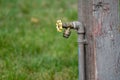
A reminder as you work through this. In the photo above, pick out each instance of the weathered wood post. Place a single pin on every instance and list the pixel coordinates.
(101, 21)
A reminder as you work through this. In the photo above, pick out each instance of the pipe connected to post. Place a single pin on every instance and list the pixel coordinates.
(81, 41)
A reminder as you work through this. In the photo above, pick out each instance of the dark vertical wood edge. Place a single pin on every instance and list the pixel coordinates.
(85, 16)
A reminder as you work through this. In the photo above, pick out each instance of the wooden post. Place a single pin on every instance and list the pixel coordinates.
(101, 21)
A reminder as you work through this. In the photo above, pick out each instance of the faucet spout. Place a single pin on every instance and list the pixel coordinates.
(68, 26)
(67, 33)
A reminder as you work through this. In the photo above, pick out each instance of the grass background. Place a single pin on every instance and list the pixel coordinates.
(30, 46)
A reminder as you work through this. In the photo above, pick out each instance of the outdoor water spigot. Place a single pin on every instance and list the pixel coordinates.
(78, 26)
(68, 26)
(60, 26)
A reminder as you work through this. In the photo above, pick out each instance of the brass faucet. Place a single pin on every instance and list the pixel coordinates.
(68, 26)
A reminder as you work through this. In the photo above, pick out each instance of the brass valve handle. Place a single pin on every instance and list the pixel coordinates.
(59, 25)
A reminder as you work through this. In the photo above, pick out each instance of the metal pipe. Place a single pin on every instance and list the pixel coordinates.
(81, 57)
(81, 42)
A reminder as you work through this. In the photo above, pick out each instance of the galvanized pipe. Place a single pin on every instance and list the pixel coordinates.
(81, 57)
(81, 42)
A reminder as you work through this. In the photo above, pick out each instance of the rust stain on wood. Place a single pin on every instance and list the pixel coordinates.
(100, 10)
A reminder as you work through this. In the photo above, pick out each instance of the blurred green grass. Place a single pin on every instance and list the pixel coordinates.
(30, 46)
